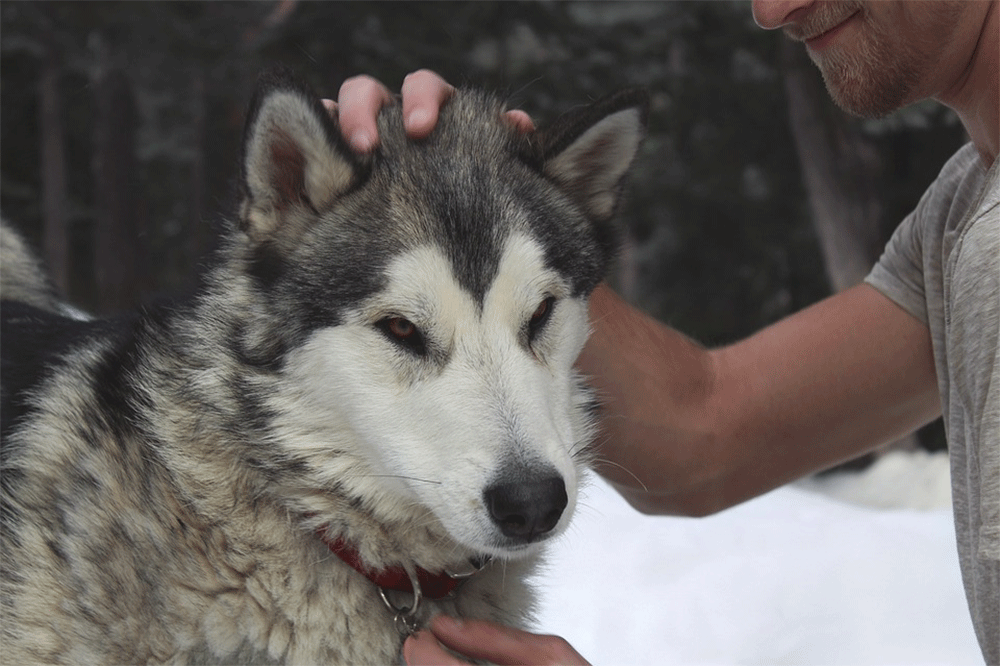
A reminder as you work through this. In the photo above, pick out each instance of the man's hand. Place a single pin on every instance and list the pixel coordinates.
(477, 639)
(423, 93)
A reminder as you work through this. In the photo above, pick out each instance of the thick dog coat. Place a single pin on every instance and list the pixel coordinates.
(373, 390)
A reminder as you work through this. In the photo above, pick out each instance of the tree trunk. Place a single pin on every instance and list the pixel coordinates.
(840, 168)
(55, 242)
(197, 237)
(117, 240)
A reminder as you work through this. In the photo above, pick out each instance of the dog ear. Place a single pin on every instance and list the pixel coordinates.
(588, 151)
(295, 162)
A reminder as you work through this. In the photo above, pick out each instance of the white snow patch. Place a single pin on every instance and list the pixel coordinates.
(793, 577)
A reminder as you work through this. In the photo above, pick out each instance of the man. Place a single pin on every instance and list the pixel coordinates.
(692, 431)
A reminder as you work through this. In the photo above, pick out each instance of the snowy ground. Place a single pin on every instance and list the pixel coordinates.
(852, 569)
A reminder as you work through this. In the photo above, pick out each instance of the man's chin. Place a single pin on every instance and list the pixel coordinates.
(864, 99)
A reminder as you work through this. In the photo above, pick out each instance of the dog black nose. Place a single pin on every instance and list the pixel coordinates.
(526, 510)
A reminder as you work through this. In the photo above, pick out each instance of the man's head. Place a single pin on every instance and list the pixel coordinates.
(877, 56)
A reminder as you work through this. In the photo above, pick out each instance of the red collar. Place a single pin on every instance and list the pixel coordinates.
(432, 585)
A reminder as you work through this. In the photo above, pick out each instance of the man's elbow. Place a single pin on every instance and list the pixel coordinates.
(687, 506)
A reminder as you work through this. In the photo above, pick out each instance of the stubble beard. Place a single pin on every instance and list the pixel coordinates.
(872, 80)
(880, 72)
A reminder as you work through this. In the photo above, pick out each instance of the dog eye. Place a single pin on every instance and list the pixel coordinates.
(540, 317)
(404, 333)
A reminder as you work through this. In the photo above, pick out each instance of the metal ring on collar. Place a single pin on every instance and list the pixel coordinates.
(405, 617)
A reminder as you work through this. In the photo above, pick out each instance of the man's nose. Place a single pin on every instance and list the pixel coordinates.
(771, 14)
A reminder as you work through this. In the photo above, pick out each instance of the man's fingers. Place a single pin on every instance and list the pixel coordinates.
(503, 645)
(422, 649)
(423, 94)
(361, 98)
(521, 120)
(357, 106)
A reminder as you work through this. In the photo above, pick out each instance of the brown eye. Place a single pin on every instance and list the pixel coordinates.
(404, 333)
(541, 310)
(540, 317)
(401, 328)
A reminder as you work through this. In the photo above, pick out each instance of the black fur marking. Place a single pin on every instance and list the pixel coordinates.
(339, 268)
(469, 229)
(267, 265)
(56, 548)
(34, 341)
(572, 242)
(112, 387)
(265, 357)
(254, 416)
(10, 517)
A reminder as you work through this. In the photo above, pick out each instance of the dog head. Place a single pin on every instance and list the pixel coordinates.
(424, 306)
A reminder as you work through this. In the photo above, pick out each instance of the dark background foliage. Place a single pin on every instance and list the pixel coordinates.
(121, 124)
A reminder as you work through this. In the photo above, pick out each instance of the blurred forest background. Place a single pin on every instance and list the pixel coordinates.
(753, 197)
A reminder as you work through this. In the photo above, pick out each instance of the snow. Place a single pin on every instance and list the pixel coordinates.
(847, 569)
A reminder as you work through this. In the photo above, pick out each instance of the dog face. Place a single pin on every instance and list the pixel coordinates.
(425, 305)
(468, 408)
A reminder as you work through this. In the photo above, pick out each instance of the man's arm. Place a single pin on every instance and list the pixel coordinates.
(691, 431)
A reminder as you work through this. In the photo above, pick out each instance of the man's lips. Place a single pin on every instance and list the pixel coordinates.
(822, 38)
(819, 31)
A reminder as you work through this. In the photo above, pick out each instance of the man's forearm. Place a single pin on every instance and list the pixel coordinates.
(655, 386)
(691, 431)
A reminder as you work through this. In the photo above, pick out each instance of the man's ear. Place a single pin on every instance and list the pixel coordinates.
(295, 163)
(588, 151)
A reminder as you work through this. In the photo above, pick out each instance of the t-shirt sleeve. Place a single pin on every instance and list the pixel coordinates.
(899, 273)
(906, 273)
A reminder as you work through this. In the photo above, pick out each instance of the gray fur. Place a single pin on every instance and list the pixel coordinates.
(164, 477)
(22, 277)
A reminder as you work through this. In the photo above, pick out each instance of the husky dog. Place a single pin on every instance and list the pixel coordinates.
(366, 415)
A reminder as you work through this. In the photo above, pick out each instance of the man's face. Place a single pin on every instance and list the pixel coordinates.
(875, 56)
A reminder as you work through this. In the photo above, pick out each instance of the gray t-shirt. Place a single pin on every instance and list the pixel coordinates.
(943, 267)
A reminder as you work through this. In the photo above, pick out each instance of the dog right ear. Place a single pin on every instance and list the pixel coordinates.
(589, 150)
(295, 162)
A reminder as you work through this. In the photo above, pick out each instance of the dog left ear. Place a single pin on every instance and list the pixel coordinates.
(295, 162)
(588, 151)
